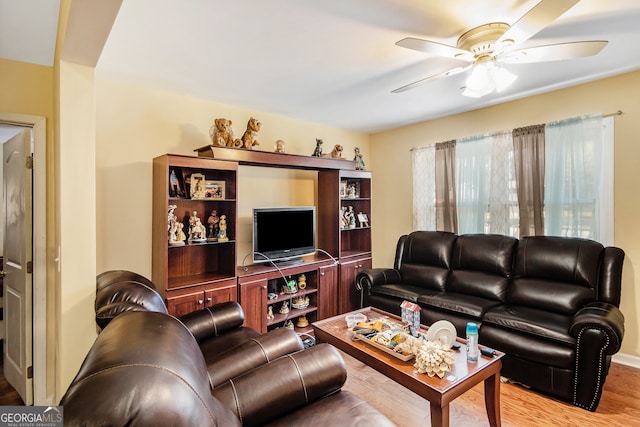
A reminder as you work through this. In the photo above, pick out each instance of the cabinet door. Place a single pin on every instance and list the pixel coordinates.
(328, 292)
(218, 296)
(185, 304)
(348, 295)
(253, 299)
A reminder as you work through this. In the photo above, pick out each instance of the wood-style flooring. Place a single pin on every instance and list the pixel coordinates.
(8, 395)
(619, 405)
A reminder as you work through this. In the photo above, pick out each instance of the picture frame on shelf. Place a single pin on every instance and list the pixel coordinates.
(363, 219)
(214, 189)
(197, 182)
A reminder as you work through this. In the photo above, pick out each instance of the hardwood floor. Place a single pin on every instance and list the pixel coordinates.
(8, 395)
(619, 405)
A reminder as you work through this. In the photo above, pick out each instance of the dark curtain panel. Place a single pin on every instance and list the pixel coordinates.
(446, 211)
(528, 147)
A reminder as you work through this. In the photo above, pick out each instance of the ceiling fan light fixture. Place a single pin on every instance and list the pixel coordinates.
(486, 78)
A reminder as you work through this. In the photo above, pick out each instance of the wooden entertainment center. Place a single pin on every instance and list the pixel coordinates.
(200, 274)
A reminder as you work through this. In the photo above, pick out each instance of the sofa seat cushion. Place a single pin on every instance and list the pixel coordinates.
(530, 321)
(468, 305)
(405, 292)
(536, 350)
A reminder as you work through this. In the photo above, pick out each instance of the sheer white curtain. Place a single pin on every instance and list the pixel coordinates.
(424, 188)
(473, 177)
(579, 178)
(485, 185)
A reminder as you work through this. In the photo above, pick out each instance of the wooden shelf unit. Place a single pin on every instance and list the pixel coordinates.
(194, 275)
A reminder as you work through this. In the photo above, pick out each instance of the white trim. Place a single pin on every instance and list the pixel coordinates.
(39, 126)
(626, 359)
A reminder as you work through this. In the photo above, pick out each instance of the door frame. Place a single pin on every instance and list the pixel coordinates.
(38, 125)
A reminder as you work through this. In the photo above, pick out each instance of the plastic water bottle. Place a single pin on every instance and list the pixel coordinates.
(472, 342)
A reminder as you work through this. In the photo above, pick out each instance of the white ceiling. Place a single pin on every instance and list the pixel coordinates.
(335, 62)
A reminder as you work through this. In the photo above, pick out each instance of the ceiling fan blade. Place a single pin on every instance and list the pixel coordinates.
(413, 85)
(435, 48)
(540, 16)
(553, 52)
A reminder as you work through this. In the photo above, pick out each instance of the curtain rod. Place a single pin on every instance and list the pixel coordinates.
(617, 113)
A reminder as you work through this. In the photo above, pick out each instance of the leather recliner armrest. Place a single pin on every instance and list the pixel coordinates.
(255, 352)
(214, 321)
(602, 316)
(284, 385)
(367, 279)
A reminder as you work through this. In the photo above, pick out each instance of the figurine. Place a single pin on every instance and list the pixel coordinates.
(249, 136)
(343, 217)
(351, 191)
(302, 322)
(288, 324)
(174, 185)
(350, 218)
(302, 281)
(358, 159)
(363, 219)
(279, 146)
(213, 221)
(221, 133)
(270, 315)
(197, 232)
(171, 222)
(180, 236)
(284, 309)
(318, 151)
(222, 234)
(336, 153)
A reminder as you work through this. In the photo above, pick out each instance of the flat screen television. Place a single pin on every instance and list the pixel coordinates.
(283, 233)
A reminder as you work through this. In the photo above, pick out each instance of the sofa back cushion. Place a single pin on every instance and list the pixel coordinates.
(145, 368)
(425, 258)
(481, 265)
(558, 274)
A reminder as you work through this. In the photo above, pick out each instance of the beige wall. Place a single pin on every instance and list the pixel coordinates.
(134, 125)
(392, 185)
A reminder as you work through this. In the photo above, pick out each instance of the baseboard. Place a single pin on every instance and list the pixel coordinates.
(626, 359)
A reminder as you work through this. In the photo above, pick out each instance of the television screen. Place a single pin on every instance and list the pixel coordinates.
(283, 233)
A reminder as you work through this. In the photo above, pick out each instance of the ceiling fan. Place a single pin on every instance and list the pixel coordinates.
(485, 46)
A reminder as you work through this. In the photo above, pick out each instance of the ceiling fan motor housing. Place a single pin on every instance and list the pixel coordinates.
(481, 41)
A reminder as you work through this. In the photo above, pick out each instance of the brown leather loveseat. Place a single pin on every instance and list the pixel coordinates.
(549, 303)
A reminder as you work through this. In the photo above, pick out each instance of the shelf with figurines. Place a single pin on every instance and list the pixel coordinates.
(350, 219)
(191, 231)
(294, 303)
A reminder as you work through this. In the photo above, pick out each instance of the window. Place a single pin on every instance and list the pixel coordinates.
(578, 182)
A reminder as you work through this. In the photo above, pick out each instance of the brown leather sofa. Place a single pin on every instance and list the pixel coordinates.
(549, 303)
(147, 369)
(205, 369)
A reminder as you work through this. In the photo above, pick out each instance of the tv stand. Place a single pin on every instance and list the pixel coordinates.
(259, 281)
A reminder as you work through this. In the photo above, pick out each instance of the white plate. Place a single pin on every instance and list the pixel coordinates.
(444, 331)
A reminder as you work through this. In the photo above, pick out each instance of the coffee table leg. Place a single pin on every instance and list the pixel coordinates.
(492, 399)
(439, 415)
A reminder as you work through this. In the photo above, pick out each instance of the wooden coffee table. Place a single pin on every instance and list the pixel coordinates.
(439, 392)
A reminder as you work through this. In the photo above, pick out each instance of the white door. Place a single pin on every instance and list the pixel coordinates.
(18, 283)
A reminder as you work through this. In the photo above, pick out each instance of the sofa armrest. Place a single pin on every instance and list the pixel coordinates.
(255, 352)
(367, 279)
(284, 385)
(214, 321)
(598, 328)
(601, 316)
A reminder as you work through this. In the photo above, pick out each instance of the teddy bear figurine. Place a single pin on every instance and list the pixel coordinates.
(221, 133)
